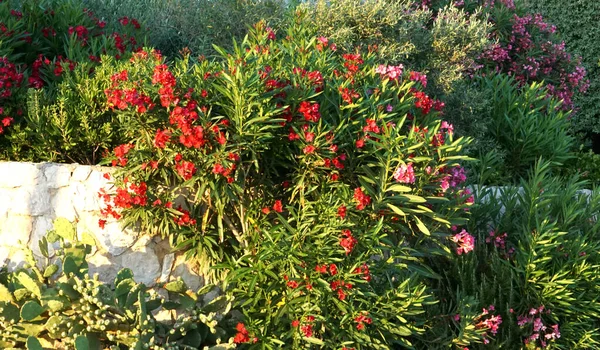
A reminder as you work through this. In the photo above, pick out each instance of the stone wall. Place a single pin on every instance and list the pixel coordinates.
(33, 195)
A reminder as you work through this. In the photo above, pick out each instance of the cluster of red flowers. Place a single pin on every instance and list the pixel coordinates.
(10, 77)
(323, 42)
(184, 219)
(307, 327)
(310, 111)
(185, 169)
(362, 198)
(341, 287)
(347, 241)
(242, 335)
(125, 197)
(121, 153)
(315, 78)
(277, 206)
(162, 76)
(341, 212)
(352, 62)
(363, 270)
(362, 319)
(348, 95)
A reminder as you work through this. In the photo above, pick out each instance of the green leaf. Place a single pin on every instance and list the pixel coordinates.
(82, 343)
(34, 344)
(5, 294)
(69, 266)
(176, 286)
(396, 210)
(422, 226)
(65, 229)
(31, 310)
(29, 283)
(50, 270)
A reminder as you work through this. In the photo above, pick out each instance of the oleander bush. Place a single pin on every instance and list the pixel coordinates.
(321, 180)
(42, 42)
(59, 306)
(535, 260)
(522, 125)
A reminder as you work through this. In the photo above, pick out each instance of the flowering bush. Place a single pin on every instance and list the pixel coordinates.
(536, 260)
(323, 182)
(577, 27)
(41, 42)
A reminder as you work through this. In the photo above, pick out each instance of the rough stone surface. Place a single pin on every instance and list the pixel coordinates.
(32, 196)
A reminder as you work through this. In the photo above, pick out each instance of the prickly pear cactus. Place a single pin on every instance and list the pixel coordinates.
(59, 306)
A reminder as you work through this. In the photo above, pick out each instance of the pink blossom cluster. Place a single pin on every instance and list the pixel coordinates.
(405, 174)
(541, 333)
(489, 322)
(531, 53)
(510, 4)
(390, 72)
(465, 242)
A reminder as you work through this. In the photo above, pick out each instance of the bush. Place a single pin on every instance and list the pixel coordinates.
(535, 261)
(395, 28)
(576, 21)
(320, 179)
(193, 24)
(58, 305)
(42, 42)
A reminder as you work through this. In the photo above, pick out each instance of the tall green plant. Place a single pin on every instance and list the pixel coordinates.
(536, 260)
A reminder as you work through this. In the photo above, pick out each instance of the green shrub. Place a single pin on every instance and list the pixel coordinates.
(536, 260)
(518, 125)
(458, 38)
(395, 28)
(58, 305)
(285, 155)
(193, 24)
(42, 42)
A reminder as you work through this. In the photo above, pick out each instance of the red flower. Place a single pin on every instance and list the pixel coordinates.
(292, 284)
(185, 169)
(242, 334)
(307, 330)
(161, 138)
(266, 210)
(362, 199)
(342, 212)
(309, 149)
(321, 268)
(360, 143)
(101, 223)
(310, 111)
(348, 242)
(295, 323)
(278, 207)
(333, 269)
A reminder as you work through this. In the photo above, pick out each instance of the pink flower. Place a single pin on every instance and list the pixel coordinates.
(465, 242)
(405, 174)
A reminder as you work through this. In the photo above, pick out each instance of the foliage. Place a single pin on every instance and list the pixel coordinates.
(289, 148)
(193, 24)
(576, 22)
(585, 164)
(395, 28)
(42, 40)
(458, 38)
(536, 260)
(529, 49)
(58, 305)
(526, 125)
